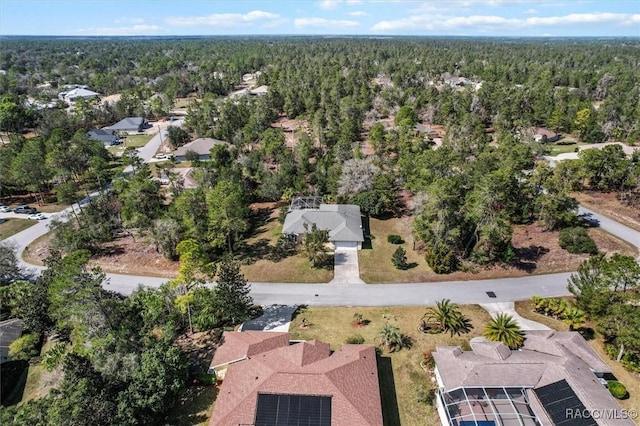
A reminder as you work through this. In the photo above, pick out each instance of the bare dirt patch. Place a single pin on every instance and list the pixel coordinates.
(607, 204)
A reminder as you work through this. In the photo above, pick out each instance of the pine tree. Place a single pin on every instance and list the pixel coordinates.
(232, 292)
(399, 258)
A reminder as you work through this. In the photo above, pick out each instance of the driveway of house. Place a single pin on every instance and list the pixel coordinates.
(509, 308)
(273, 318)
(345, 266)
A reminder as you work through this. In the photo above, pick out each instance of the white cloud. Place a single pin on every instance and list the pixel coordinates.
(332, 4)
(329, 4)
(436, 22)
(359, 13)
(108, 31)
(225, 20)
(324, 23)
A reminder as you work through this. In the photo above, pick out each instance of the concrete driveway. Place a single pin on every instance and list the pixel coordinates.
(509, 308)
(345, 266)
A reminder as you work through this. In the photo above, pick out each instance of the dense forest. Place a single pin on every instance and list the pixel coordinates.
(361, 105)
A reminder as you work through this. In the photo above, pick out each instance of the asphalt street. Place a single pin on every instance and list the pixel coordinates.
(358, 294)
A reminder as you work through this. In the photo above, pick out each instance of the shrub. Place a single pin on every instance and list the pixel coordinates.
(24, 348)
(399, 258)
(395, 239)
(441, 260)
(617, 389)
(425, 394)
(577, 240)
(356, 339)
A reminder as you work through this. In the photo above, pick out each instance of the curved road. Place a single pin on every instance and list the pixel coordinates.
(463, 292)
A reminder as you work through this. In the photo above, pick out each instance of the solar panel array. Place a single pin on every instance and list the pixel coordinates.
(293, 410)
(563, 405)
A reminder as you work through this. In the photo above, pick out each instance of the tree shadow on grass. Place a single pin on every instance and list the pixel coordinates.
(526, 257)
(194, 406)
(258, 219)
(389, 399)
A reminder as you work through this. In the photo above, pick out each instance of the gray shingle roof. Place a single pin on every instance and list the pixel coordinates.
(343, 221)
(129, 124)
(202, 146)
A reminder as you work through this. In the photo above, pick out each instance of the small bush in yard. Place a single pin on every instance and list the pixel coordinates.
(425, 394)
(356, 339)
(394, 239)
(399, 258)
(441, 260)
(577, 240)
(617, 389)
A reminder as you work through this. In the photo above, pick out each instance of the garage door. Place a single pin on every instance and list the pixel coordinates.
(346, 245)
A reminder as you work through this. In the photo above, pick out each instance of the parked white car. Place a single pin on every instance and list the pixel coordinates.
(5, 209)
(36, 216)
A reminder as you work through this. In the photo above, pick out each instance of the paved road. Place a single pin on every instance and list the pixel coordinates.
(358, 294)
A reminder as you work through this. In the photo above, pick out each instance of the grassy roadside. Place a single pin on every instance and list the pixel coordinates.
(12, 226)
(611, 208)
(399, 370)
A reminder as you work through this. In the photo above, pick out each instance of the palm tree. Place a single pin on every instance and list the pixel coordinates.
(503, 328)
(391, 337)
(574, 317)
(448, 317)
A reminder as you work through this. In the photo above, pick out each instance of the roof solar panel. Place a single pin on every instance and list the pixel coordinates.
(562, 405)
(293, 410)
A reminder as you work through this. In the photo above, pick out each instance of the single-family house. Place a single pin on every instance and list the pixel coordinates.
(424, 129)
(130, 125)
(10, 331)
(556, 378)
(542, 134)
(79, 92)
(108, 137)
(343, 222)
(277, 382)
(201, 146)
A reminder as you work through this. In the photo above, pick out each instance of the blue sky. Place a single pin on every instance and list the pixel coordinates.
(373, 17)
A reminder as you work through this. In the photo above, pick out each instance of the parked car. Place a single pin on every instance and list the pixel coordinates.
(37, 216)
(25, 210)
(5, 209)
(161, 156)
(84, 202)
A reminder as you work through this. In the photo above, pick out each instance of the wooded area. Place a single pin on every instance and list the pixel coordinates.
(365, 112)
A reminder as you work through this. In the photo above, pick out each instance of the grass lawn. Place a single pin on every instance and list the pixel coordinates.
(556, 149)
(194, 408)
(293, 268)
(12, 226)
(399, 370)
(137, 141)
(630, 380)
(39, 380)
(375, 263)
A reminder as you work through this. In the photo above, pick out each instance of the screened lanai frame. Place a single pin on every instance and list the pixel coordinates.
(488, 406)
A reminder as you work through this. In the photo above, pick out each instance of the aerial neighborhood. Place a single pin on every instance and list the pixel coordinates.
(306, 230)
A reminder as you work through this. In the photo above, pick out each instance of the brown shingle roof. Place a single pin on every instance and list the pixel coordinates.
(349, 376)
(239, 345)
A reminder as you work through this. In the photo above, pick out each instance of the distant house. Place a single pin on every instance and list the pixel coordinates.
(429, 131)
(545, 135)
(554, 379)
(201, 146)
(79, 92)
(106, 136)
(10, 330)
(278, 382)
(342, 221)
(130, 125)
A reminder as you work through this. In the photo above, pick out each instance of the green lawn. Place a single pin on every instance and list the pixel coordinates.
(375, 262)
(399, 371)
(293, 268)
(137, 141)
(13, 226)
